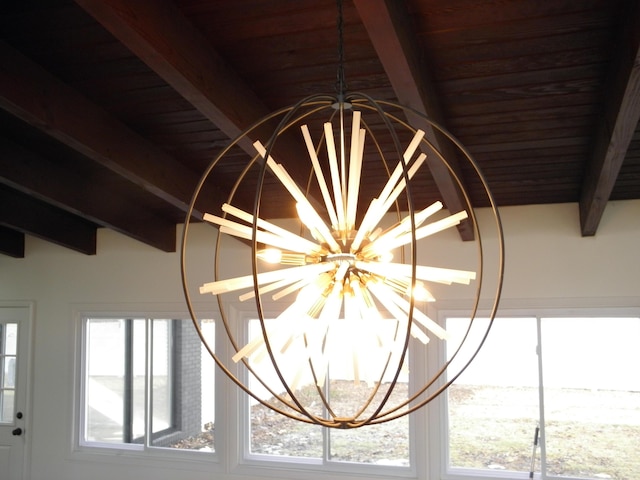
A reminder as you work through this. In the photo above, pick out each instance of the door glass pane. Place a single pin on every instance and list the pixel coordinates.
(493, 405)
(11, 338)
(9, 372)
(592, 397)
(105, 381)
(7, 402)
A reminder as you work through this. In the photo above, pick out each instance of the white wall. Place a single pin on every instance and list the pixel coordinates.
(547, 260)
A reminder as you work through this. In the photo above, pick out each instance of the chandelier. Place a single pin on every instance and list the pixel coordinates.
(338, 292)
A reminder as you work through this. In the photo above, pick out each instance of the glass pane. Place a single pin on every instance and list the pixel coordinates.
(207, 380)
(383, 444)
(194, 389)
(11, 338)
(493, 405)
(592, 397)
(276, 435)
(138, 372)
(9, 372)
(161, 367)
(105, 381)
(272, 433)
(7, 402)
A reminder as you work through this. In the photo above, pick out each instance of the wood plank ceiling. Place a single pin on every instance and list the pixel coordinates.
(111, 110)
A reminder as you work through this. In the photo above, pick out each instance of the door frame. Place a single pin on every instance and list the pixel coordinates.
(25, 362)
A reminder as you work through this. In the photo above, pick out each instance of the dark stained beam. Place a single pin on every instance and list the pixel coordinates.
(28, 215)
(33, 175)
(11, 242)
(617, 124)
(167, 42)
(32, 94)
(391, 32)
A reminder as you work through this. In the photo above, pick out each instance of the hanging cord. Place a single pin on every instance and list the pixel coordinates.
(341, 83)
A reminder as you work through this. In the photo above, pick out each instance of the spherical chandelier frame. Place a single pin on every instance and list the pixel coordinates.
(288, 404)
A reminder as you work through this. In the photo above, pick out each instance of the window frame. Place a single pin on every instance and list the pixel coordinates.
(140, 454)
(428, 429)
(538, 310)
(8, 372)
(129, 437)
(246, 463)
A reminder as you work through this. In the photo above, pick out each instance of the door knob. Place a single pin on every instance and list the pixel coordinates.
(17, 431)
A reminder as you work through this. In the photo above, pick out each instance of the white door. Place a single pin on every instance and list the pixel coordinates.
(15, 324)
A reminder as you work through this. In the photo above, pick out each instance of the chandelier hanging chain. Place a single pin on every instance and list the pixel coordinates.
(341, 83)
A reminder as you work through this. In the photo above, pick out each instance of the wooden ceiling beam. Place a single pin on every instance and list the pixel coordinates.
(167, 42)
(11, 242)
(33, 175)
(618, 121)
(35, 96)
(392, 34)
(28, 215)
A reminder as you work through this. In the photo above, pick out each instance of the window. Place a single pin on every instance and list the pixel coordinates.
(591, 396)
(493, 406)
(143, 384)
(276, 438)
(568, 382)
(556, 396)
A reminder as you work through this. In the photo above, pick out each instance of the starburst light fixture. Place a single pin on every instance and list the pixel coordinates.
(334, 295)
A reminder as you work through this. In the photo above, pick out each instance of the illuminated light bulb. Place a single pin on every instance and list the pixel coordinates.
(421, 294)
(312, 291)
(270, 255)
(385, 257)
